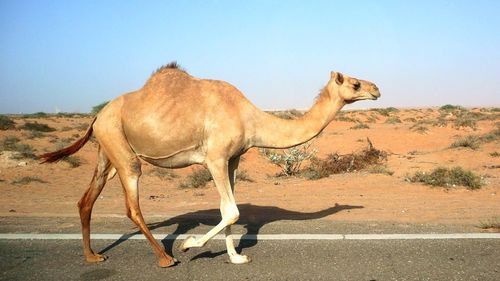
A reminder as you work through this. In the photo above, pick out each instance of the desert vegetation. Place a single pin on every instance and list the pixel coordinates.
(21, 150)
(38, 127)
(335, 163)
(448, 177)
(27, 180)
(6, 123)
(426, 154)
(290, 160)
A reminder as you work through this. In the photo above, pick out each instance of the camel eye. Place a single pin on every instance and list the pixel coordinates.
(356, 86)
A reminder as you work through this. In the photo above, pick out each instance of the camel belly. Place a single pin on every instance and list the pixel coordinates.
(178, 160)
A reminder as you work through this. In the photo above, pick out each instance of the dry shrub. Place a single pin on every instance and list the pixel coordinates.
(34, 135)
(491, 136)
(466, 120)
(6, 123)
(163, 173)
(385, 111)
(419, 129)
(242, 175)
(360, 126)
(287, 114)
(393, 120)
(336, 164)
(471, 141)
(342, 116)
(448, 178)
(11, 143)
(73, 161)
(35, 126)
(199, 178)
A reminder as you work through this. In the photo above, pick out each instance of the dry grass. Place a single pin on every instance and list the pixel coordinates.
(379, 169)
(492, 224)
(27, 180)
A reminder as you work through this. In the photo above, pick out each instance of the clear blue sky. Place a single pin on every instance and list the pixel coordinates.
(71, 55)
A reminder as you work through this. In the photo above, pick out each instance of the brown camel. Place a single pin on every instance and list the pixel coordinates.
(177, 120)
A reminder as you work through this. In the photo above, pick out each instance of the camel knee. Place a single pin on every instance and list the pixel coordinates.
(232, 216)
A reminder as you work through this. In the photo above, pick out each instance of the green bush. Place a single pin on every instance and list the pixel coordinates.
(97, 108)
(448, 178)
(449, 108)
(36, 115)
(6, 123)
(35, 126)
(290, 160)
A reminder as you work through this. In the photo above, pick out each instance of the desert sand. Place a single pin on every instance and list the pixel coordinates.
(372, 196)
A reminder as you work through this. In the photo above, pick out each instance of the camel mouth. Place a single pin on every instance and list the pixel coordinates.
(374, 96)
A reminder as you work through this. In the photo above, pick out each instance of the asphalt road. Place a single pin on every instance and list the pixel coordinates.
(456, 259)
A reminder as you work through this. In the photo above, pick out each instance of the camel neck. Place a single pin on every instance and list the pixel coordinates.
(274, 132)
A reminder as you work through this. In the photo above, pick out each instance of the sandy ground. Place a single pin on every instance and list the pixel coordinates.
(362, 195)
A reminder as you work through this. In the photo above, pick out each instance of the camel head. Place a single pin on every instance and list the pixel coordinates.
(350, 89)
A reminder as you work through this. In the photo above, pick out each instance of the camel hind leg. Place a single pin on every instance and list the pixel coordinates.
(128, 167)
(87, 201)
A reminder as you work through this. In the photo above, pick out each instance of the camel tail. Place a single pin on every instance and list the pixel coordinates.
(55, 156)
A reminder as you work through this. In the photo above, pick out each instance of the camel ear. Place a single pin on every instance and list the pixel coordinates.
(339, 78)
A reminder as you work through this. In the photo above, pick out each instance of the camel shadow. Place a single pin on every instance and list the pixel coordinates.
(252, 218)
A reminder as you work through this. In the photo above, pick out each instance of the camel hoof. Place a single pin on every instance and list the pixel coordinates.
(165, 262)
(188, 243)
(96, 258)
(239, 259)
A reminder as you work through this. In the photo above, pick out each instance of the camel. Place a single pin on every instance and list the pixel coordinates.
(176, 120)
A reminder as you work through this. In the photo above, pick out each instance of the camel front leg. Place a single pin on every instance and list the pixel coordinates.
(228, 208)
(231, 251)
